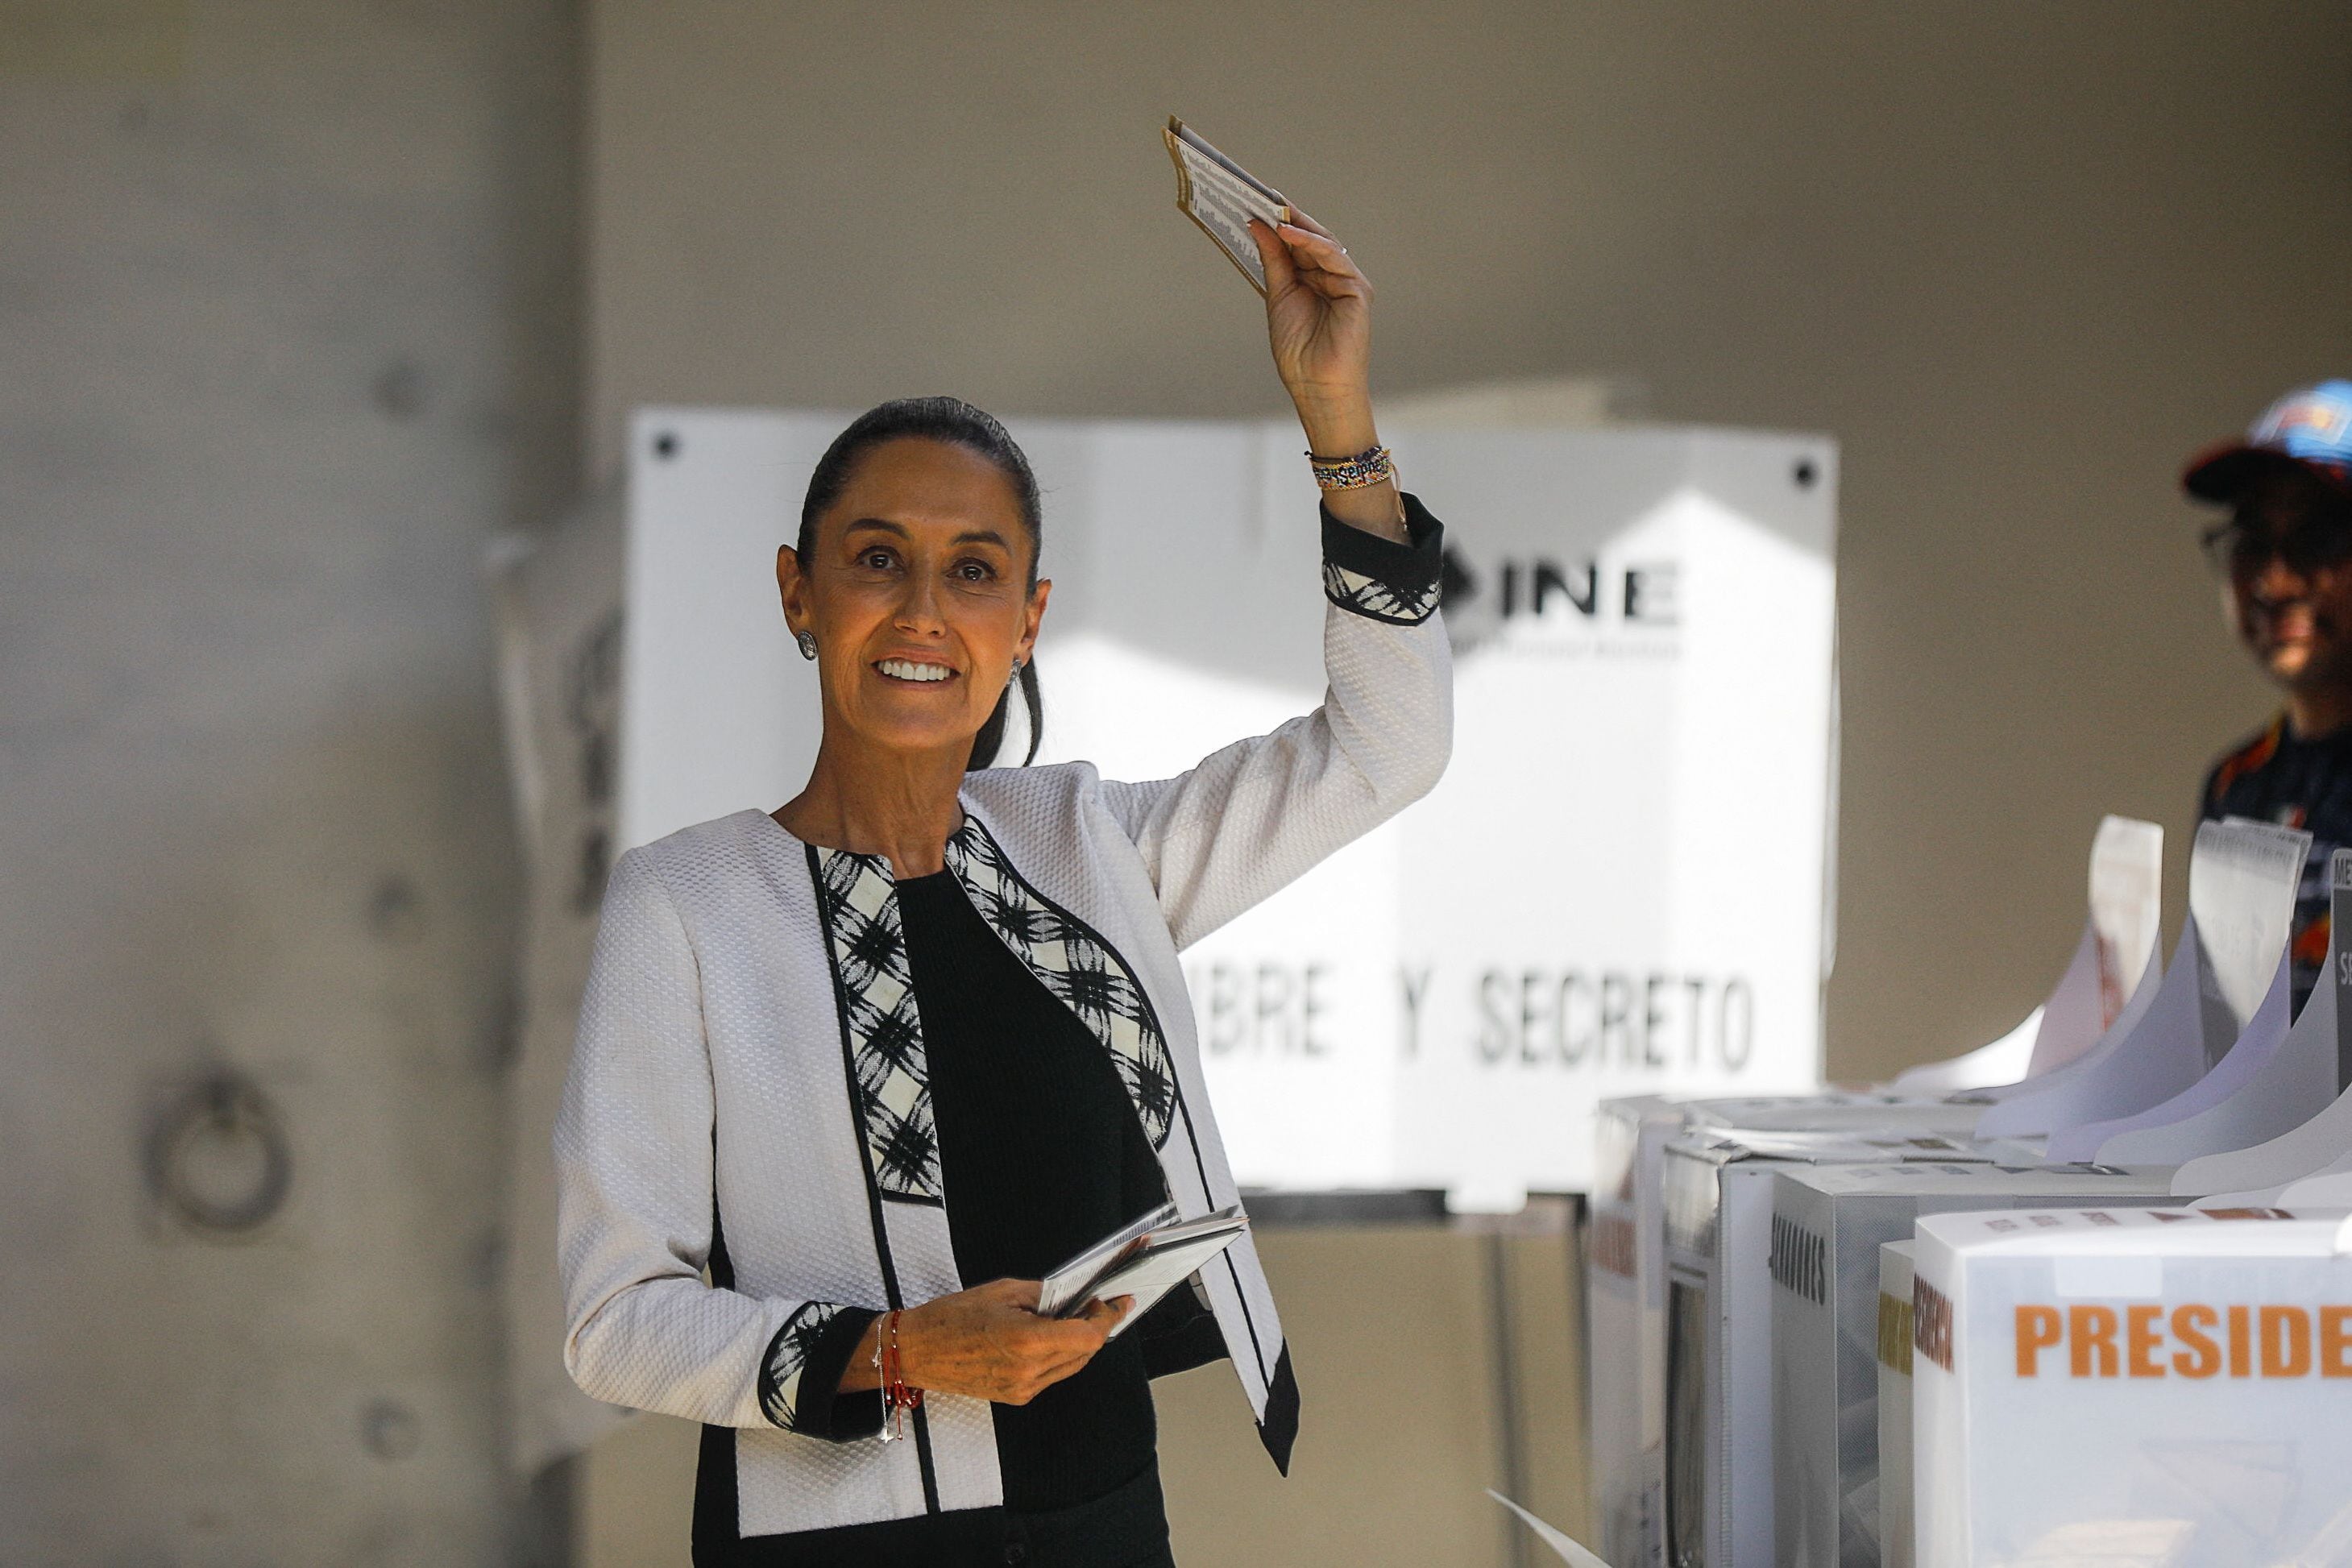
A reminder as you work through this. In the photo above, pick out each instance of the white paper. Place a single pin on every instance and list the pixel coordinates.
(2119, 941)
(1155, 1273)
(2161, 1053)
(2242, 877)
(2293, 1083)
(1558, 1540)
(2309, 1070)
(2255, 1173)
(2243, 880)
(2038, 1081)
(2248, 1057)
(1221, 197)
(1161, 1252)
(1059, 1292)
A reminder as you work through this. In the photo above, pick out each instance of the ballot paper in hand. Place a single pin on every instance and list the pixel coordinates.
(1145, 1259)
(1221, 196)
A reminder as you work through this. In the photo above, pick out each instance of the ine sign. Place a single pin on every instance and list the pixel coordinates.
(1620, 886)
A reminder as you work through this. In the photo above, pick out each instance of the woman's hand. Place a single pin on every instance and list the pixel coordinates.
(989, 1342)
(1318, 319)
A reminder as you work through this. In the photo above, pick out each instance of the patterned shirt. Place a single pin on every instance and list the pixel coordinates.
(2278, 778)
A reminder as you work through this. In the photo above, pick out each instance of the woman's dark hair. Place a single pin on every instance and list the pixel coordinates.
(959, 423)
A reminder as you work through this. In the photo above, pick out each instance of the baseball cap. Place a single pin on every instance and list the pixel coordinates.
(2311, 425)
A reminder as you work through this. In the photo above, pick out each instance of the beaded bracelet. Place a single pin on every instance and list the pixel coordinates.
(1369, 467)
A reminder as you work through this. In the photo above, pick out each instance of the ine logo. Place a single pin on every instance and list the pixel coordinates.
(1550, 590)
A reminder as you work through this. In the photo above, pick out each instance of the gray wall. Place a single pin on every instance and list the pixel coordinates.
(286, 326)
(2018, 258)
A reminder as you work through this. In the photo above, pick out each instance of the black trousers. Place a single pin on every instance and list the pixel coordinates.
(1127, 1528)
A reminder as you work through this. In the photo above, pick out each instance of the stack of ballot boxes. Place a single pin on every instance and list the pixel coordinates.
(1717, 1197)
(1821, 1248)
(1625, 1275)
(2151, 1388)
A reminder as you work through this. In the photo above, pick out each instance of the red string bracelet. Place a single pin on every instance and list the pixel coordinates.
(897, 1397)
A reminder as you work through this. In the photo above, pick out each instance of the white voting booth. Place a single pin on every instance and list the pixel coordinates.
(1621, 886)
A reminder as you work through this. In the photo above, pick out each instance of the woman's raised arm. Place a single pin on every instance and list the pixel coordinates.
(1253, 816)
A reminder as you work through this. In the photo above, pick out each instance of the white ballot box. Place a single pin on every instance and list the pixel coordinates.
(1716, 1371)
(1641, 623)
(1828, 1225)
(2155, 1388)
(1894, 1405)
(1625, 1288)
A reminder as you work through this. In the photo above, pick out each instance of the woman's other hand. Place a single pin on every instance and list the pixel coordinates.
(988, 1343)
(1318, 319)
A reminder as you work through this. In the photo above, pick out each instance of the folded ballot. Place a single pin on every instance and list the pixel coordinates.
(1221, 196)
(1145, 1259)
(2151, 1388)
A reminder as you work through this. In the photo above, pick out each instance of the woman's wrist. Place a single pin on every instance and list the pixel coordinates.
(1337, 427)
(1342, 426)
(860, 1373)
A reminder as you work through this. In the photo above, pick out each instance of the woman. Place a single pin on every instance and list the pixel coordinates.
(879, 1060)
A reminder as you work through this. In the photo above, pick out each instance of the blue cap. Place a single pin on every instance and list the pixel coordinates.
(2311, 426)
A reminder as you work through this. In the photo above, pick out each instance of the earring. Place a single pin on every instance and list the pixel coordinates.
(1015, 673)
(807, 641)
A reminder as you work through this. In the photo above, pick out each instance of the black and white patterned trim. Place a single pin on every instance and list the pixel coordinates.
(1077, 966)
(893, 1087)
(1379, 601)
(788, 1353)
(1379, 578)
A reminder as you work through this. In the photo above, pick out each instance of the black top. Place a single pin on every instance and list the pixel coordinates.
(1041, 1155)
(2281, 778)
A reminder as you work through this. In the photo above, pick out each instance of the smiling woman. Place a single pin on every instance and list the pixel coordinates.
(855, 1074)
(934, 489)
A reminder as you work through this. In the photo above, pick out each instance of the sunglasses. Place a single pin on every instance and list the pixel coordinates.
(2239, 550)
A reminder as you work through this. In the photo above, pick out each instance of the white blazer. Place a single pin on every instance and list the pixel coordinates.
(749, 1094)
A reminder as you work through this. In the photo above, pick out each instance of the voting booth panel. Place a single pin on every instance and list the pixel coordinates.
(1618, 887)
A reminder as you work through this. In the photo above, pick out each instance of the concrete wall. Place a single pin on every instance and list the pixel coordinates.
(2019, 258)
(286, 327)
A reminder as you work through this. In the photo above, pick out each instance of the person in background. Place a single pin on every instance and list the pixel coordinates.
(2284, 553)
